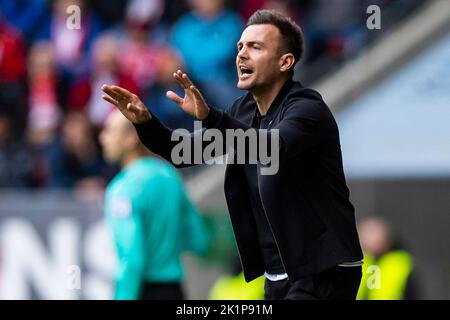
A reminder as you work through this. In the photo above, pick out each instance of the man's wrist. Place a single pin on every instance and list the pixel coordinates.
(147, 119)
(146, 122)
(213, 118)
(206, 115)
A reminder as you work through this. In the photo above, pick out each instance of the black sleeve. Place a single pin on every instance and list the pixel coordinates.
(162, 140)
(304, 125)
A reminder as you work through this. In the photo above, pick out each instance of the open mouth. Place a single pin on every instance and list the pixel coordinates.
(245, 71)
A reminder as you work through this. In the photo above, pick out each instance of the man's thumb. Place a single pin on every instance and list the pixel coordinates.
(174, 97)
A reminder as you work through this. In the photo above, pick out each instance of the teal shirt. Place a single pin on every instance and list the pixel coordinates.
(153, 223)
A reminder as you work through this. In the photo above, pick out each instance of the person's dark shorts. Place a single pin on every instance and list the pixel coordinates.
(338, 283)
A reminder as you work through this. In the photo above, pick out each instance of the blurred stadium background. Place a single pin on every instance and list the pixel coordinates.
(389, 90)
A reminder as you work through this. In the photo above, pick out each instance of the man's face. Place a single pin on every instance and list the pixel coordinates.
(257, 61)
(113, 138)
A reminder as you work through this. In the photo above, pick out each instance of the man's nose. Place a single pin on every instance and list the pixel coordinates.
(242, 54)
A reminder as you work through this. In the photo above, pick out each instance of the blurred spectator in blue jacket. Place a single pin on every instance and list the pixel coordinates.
(206, 38)
(31, 17)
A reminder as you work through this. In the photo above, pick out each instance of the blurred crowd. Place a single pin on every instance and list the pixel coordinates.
(51, 71)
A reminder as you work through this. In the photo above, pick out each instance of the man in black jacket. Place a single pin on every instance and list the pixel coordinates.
(297, 226)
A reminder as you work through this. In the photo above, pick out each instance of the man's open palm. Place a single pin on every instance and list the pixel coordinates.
(128, 103)
(134, 110)
(193, 102)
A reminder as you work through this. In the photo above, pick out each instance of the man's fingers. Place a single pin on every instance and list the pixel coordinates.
(187, 81)
(174, 97)
(197, 94)
(122, 92)
(180, 80)
(183, 79)
(109, 91)
(111, 100)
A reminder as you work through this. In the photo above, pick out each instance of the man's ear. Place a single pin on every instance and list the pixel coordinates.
(287, 61)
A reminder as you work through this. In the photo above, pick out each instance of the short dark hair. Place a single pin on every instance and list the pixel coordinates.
(291, 33)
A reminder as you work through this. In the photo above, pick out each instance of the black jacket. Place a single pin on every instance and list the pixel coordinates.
(306, 201)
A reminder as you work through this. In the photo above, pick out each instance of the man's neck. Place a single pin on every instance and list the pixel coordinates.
(264, 97)
(130, 158)
(136, 154)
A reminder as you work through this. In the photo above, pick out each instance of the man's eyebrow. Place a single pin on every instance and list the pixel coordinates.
(251, 43)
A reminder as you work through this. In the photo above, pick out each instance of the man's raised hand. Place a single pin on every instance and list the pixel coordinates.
(128, 103)
(193, 102)
(134, 110)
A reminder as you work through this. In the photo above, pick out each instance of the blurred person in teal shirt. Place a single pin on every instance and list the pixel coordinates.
(206, 38)
(152, 219)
